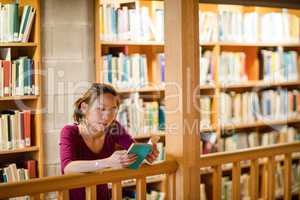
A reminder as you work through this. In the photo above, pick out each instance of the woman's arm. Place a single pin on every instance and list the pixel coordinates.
(117, 160)
(86, 165)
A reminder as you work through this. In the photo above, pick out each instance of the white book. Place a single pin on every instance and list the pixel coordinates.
(29, 25)
(145, 23)
(5, 23)
(1, 23)
(5, 145)
(24, 19)
(1, 80)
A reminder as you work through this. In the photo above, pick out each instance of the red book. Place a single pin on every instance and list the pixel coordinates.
(31, 165)
(6, 77)
(298, 102)
(27, 128)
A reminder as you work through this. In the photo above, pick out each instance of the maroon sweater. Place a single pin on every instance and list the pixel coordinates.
(73, 147)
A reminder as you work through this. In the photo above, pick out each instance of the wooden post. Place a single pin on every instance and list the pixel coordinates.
(182, 80)
(287, 176)
(217, 178)
(116, 190)
(170, 186)
(63, 195)
(236, 174)
(271, 178)
(254, 179)
(141, 189)
(91, 192)
(35, 197)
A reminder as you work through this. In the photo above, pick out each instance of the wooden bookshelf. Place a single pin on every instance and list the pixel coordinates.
(145, 136)
(254, 83)
(245, 44)
(142, 90)
(21, 150)
(134, 43)
(253, 68)
(18, 44)
(18, 98)
(31, 49)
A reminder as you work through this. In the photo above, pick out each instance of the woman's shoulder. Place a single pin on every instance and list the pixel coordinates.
(70, 130)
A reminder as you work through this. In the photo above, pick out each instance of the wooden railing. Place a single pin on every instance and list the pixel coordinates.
(35, 188)
(260, 156)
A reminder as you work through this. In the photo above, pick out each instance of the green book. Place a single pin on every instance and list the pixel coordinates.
(141, 150)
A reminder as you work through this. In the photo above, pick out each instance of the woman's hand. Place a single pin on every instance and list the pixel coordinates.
(120, 159)
(153, 155)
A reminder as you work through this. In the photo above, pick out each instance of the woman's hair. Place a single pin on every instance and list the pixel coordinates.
(90, 96)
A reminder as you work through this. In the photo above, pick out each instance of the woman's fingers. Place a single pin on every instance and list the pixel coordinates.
(128, 159)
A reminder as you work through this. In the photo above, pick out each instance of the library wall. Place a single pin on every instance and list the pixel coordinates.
(67, 56)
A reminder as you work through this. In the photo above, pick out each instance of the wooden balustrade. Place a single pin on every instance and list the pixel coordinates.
(254, 155)
(262, 163)
(37, 187)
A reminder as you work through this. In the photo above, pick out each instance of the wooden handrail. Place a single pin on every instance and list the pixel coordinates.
(248, 154)
(77, 180)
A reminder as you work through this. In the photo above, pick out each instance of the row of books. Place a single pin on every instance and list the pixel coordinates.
(141, 118)
(279, 183)
(232, 67)
(125, 71)
(235, 26)
(276, 66)
(123, 23)
(279, 179)
(245, 140)
(207, 67)
(10, 173)
(17, 77)
(279, 66)
(205, 112)
(248, 107)
(11, 28)
(130, 71)
(15, 129)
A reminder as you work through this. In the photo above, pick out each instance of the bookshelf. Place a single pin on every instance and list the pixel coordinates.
(152, 88)
(228, 46)
(252, 64)
(24, 99)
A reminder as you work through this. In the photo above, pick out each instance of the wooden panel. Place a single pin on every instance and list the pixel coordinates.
(35, 197)
(254, 180)
(236, 174)
(116, 190)
(287, 176)
(141, 188)
(91, 192)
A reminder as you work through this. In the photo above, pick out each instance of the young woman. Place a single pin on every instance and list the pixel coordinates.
(90, 143)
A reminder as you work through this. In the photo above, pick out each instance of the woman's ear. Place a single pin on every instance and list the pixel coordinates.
(83, 107)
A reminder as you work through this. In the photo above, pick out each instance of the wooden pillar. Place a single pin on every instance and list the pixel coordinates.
(182, 78)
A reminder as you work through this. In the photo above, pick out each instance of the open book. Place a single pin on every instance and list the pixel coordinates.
(141, 150)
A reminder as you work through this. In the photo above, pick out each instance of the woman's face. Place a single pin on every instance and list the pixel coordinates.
(102, 112)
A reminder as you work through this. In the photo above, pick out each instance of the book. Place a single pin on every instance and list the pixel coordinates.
(141, 150)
